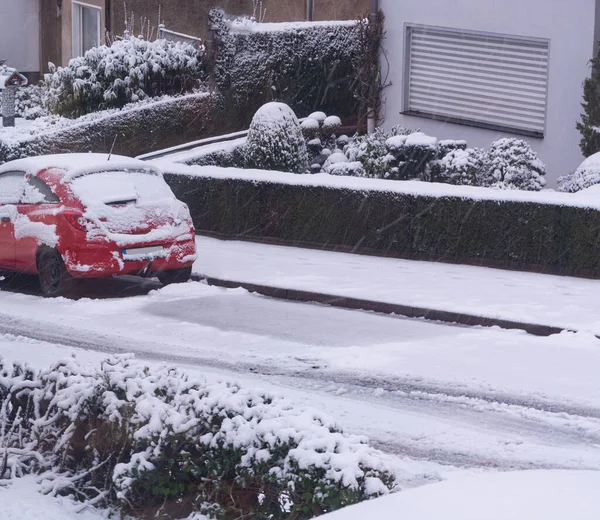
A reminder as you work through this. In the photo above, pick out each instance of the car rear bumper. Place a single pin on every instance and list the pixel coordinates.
(109, 259)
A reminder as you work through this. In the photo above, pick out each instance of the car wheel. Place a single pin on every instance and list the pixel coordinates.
(54, 277)
(175, 276)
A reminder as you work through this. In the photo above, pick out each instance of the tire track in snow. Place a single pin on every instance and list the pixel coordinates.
(550, 423)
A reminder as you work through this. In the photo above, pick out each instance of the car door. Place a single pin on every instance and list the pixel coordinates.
(11, 190)
(37, 220)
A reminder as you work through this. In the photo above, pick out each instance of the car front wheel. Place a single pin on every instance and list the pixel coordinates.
(54, 277)
(175, 276)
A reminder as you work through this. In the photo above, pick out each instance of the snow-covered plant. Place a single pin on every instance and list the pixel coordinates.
(122, 435)
(275, 140)
(588, 174)
(31, 102)
(446, 146)
(372, 151)
(462, 167)
(512, 164)
(126, 71)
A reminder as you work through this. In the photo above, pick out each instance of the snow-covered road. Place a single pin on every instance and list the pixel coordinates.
(434, 393)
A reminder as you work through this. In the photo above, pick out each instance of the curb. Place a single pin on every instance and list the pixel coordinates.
(408, 311)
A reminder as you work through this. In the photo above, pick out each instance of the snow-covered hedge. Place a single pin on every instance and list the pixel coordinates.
(306, 66)
(126, 71)
(141, 127)
(141, 439)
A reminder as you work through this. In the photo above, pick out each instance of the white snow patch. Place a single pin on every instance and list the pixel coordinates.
(527, 495)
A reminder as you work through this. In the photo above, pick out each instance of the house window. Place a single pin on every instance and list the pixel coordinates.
(485, 80)
(86, 27)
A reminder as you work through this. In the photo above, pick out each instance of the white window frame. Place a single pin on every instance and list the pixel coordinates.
(499, 126)
(76, 29)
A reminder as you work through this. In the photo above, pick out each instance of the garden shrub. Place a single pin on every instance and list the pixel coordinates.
(156, 440)
(512, 164)
(275, 140)
(463, 167)
(376, 155)
(110, 76)
(586, 175)
(418, 151)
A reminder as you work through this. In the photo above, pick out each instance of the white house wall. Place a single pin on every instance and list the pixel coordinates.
(569, 25)
(20, 34)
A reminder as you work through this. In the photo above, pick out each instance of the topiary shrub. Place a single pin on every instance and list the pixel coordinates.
(155, 441)
(512, 164)
(462, 167)
(275, 141)
(110, 76)
(588, 174)
(418, 150)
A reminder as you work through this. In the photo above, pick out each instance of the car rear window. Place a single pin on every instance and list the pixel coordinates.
(121, 187)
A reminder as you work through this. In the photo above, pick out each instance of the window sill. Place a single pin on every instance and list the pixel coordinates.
(476, 124)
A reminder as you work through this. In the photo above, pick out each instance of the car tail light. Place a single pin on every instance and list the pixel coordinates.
(78, 221)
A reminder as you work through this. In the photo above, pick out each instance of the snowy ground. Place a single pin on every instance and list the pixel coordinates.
(446, 399)
(527, 495)
(560, 301)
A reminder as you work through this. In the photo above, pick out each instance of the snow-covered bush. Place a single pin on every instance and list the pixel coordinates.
(275, 140)
(417, 152)
(462, 167)
(126, 71)
(588, 174)
(31, 102)
(512, 164)
(374, 152)
(449, 145)
(142, 439)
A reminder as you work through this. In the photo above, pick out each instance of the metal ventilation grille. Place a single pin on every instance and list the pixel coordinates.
(486, 80)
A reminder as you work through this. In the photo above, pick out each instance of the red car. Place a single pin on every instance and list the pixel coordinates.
(71, 216)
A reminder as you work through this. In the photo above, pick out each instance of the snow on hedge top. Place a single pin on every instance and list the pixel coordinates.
(524, 495)
(247, 25)
(75, 164)
(424, 189)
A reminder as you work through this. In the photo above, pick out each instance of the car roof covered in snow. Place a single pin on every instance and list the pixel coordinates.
(76, 164)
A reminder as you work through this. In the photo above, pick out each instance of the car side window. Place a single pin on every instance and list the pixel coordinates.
(38, 192)
(12, 185)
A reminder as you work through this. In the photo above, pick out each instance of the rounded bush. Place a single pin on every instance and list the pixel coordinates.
(462, 167)
(512, 164)
(275, 140)
(588, 174)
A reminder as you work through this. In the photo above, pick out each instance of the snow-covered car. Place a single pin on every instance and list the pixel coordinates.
(71, 216)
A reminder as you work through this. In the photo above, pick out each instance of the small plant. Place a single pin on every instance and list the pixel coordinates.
(588, 174)
(462, 167)
(512, 164)
(275, 140)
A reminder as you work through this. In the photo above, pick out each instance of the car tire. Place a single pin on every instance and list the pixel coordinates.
(55, 280)
(175, 276)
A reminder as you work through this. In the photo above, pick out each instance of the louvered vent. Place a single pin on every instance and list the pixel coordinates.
(486, 80)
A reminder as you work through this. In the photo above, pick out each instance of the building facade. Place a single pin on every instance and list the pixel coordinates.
(483, 70)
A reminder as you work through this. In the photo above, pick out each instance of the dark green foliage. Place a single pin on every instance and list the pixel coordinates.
(155, 444)
(308, 69)
(590, 119)
(520, 235)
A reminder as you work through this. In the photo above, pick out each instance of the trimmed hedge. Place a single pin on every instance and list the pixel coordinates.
(138, 130)
(517, 235)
